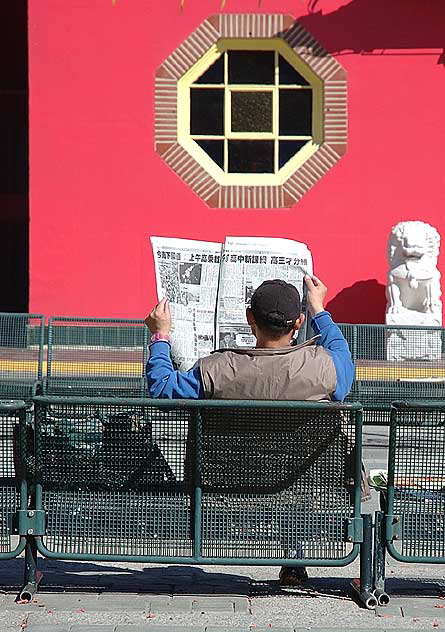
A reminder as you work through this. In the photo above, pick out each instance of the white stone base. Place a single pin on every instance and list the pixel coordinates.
(410, 345)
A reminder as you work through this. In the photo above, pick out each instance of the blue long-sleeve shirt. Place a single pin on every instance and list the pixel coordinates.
(166, 383)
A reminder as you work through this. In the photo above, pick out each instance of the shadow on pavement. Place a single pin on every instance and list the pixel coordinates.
(63, 576)
(416, 587)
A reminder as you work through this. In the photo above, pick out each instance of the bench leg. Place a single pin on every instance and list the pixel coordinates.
(32, 575)
(379, 560)
(363, 587)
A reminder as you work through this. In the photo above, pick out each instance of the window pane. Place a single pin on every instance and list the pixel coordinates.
(295, 112)
(251, 111)
(251, 156)
(288, 74)
(206, 110)
(214, 74)
(215, 149)
(288, 149)
(247, 66)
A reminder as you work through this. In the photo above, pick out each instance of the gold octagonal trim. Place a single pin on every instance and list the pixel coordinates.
(256, 32)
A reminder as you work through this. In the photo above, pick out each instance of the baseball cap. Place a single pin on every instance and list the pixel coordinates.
(276, 303)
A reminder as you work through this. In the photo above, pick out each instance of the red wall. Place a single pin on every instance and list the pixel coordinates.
(98, 189)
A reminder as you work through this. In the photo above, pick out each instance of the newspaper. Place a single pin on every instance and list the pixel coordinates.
(246, 263)
(187, 274)
(209, 286)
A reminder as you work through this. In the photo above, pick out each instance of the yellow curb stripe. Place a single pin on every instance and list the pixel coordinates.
(74, 368)
(398, 373)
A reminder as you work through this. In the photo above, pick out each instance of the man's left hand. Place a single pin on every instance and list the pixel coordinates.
(159, 320)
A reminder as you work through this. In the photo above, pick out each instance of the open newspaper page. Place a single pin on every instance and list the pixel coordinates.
(187, 274)
(246, 263)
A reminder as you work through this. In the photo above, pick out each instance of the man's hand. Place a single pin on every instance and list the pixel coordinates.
(159, 320)
(316, 293)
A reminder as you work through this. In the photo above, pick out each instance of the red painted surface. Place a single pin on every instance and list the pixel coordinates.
(98, 189)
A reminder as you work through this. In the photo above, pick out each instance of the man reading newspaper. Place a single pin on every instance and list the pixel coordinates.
(319, 369)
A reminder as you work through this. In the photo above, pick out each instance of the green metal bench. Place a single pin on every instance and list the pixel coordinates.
(411, 525)
(380, 380)
(21, 355)
(96, 357)
(200, 482)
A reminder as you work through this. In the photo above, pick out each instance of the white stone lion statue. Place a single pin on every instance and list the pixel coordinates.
(413, 277)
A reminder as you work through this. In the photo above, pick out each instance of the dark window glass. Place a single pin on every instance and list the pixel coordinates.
(247, 66)
(215, 149)
(288, 74)
(214, 74)
(295, 112)
(207, 110)
(288, 149)
(251, 111)
(251, 156)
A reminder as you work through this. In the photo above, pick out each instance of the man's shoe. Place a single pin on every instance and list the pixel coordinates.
(293, 575)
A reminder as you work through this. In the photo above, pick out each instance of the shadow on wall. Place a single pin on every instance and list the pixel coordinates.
(364, 303)
(374, 27)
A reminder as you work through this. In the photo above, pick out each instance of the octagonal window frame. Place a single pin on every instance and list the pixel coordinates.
(198, 52)
(187, 140)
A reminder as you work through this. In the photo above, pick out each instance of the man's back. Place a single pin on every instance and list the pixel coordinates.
(305, 372)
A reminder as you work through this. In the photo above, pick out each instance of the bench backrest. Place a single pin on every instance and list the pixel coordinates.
(210, 478)
(13, 456)
(416, 482)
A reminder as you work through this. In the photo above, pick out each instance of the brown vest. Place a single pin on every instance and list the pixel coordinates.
(304, 372)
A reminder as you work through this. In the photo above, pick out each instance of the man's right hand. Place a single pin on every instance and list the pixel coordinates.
(316, 293)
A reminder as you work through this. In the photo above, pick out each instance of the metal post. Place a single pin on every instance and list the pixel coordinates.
(379, 560)
(197, 491)
(363, 587)
(32, 576)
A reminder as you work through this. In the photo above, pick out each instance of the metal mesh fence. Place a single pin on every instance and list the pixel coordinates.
(21, 354)
(12, 470)
(99, 358)
(196, 480)
(395, 363)
(416, 495)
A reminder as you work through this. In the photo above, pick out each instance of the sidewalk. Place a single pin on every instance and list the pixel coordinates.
(101, 597)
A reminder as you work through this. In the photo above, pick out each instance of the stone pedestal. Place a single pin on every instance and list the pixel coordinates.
(409, 344)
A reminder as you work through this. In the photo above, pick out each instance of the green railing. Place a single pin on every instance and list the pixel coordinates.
(411, 527)
(106, 358)
(21, 355)
(96, 357)
(393, 363)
